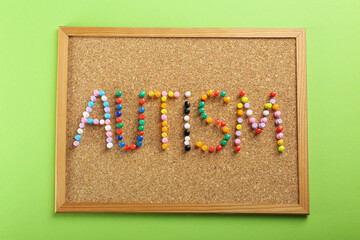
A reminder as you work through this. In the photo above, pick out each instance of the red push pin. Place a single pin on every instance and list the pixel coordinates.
(133, 147)
(217, 93)
(258, 130)
(279, 129)
(218, 147)
(242, 93)
(140, 133)
(142, 101)
(127, 147)
(237, 148)
(141, 116)
(223, 124)
(119, 132)
(211, 149)
(272, 94)
(217, 122)
(119, 100)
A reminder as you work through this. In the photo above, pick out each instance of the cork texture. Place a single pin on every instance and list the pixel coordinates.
(258, 174)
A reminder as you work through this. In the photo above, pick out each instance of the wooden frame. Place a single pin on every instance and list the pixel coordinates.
(60, 184)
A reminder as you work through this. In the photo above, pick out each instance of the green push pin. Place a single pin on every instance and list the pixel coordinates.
(224, 142)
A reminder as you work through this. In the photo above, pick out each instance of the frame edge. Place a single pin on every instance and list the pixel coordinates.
(60, 152)
(302, 115)
(60, 182)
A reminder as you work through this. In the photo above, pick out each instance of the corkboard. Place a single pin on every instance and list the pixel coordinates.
(258, 175)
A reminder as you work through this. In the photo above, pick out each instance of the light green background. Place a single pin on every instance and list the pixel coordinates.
(28, 57)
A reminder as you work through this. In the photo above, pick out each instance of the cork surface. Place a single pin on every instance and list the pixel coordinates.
(258, 174)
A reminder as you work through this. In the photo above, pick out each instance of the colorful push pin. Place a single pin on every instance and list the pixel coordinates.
(277, 114)
(272, 94)
(157, 94)
(187, 94)
(281, 148)
(268, 105)
(275, 107)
